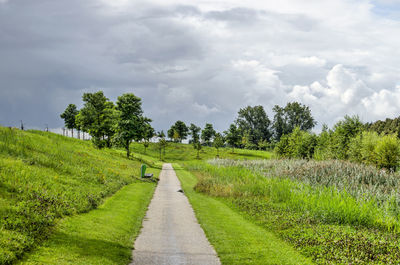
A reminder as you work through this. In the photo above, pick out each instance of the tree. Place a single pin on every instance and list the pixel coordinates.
(291, 116)
(254, 122)
(131, 123)
(232, 136)
(109, 123)
(194, 133)
(97, 117)
(343, 131)
(148, 134)
(180, 130)
(162, 143)
(218, 142)
(171, 133)
(207, 134)
(198, 147)
(69, 117)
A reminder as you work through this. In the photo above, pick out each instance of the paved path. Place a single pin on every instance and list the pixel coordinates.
(170, 233)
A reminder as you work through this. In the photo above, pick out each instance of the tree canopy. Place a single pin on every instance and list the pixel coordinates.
(254, 123)
(69, 116)
(97, 117)
(179, 131)
(207, 134)
(131, 125)
(293, 115)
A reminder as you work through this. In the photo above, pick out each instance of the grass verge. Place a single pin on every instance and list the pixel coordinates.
(236, 240)
(102, 236)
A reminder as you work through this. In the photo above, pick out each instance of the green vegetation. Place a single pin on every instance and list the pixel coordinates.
(44, 177)
(102, 236)
(347, 141)
(335, 212)
(236, 240)
(176, 152)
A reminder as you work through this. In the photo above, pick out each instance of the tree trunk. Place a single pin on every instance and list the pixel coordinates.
(127, 149)
(72, 132)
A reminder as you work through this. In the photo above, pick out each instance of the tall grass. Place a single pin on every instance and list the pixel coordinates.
(44, 176)
(331, 191)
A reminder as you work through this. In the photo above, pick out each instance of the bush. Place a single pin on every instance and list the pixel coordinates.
(298, 144)
(387, 152)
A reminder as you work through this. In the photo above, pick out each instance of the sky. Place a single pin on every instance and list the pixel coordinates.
(200, 61)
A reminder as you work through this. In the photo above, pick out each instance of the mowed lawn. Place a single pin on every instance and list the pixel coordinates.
(236, 240)
(101, 236)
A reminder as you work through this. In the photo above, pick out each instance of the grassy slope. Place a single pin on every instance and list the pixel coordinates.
(44, 177)
(176, 152)
(236, 240)
(102, 236)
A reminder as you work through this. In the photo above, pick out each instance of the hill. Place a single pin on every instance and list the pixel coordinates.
(45, 176)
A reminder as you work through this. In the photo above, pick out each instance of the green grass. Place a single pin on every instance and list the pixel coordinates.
(102, 236)
(323, 222)
(236, 240)
(177, 152)
(45, 177)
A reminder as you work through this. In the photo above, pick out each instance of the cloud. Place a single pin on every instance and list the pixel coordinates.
(198, 62)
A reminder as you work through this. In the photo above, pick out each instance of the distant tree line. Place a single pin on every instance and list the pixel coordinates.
(372, 143)
(107, 123)
(252, 129)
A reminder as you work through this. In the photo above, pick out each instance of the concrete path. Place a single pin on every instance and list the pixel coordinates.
(171, 233)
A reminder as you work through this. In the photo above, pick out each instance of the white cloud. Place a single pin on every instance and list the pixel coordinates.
(200, 61)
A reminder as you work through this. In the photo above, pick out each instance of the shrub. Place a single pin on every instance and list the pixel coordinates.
(387, 152)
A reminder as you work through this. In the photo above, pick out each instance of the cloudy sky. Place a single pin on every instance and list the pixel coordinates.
(200, 61)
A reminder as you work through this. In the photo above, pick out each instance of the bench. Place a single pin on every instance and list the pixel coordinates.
(143, 172)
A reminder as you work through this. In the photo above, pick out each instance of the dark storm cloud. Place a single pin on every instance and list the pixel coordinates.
(197, 62)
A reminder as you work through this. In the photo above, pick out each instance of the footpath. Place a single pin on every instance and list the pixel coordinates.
(171, 233)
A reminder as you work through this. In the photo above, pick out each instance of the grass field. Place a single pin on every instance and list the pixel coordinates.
(45, 177)
(236, 240)
(102, 236)
(254, 209)
(329, 224)
(176, 152)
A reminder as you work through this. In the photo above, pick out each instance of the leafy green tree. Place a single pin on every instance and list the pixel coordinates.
(282, 147)
(198, 147)
(298, 144)
(161, 134)
(207, 134)
(180, 129)
(131, 123)
(109, 123)
(387, 152)
(291, 116)
(233, 136)
(255, 122)
(69, 116)
(194, 133)
(343, 131)
(219, 142)
(97, 117)
(148, 134)
(279, 124)
(171, 133)
(162, 143)
(323, 148)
